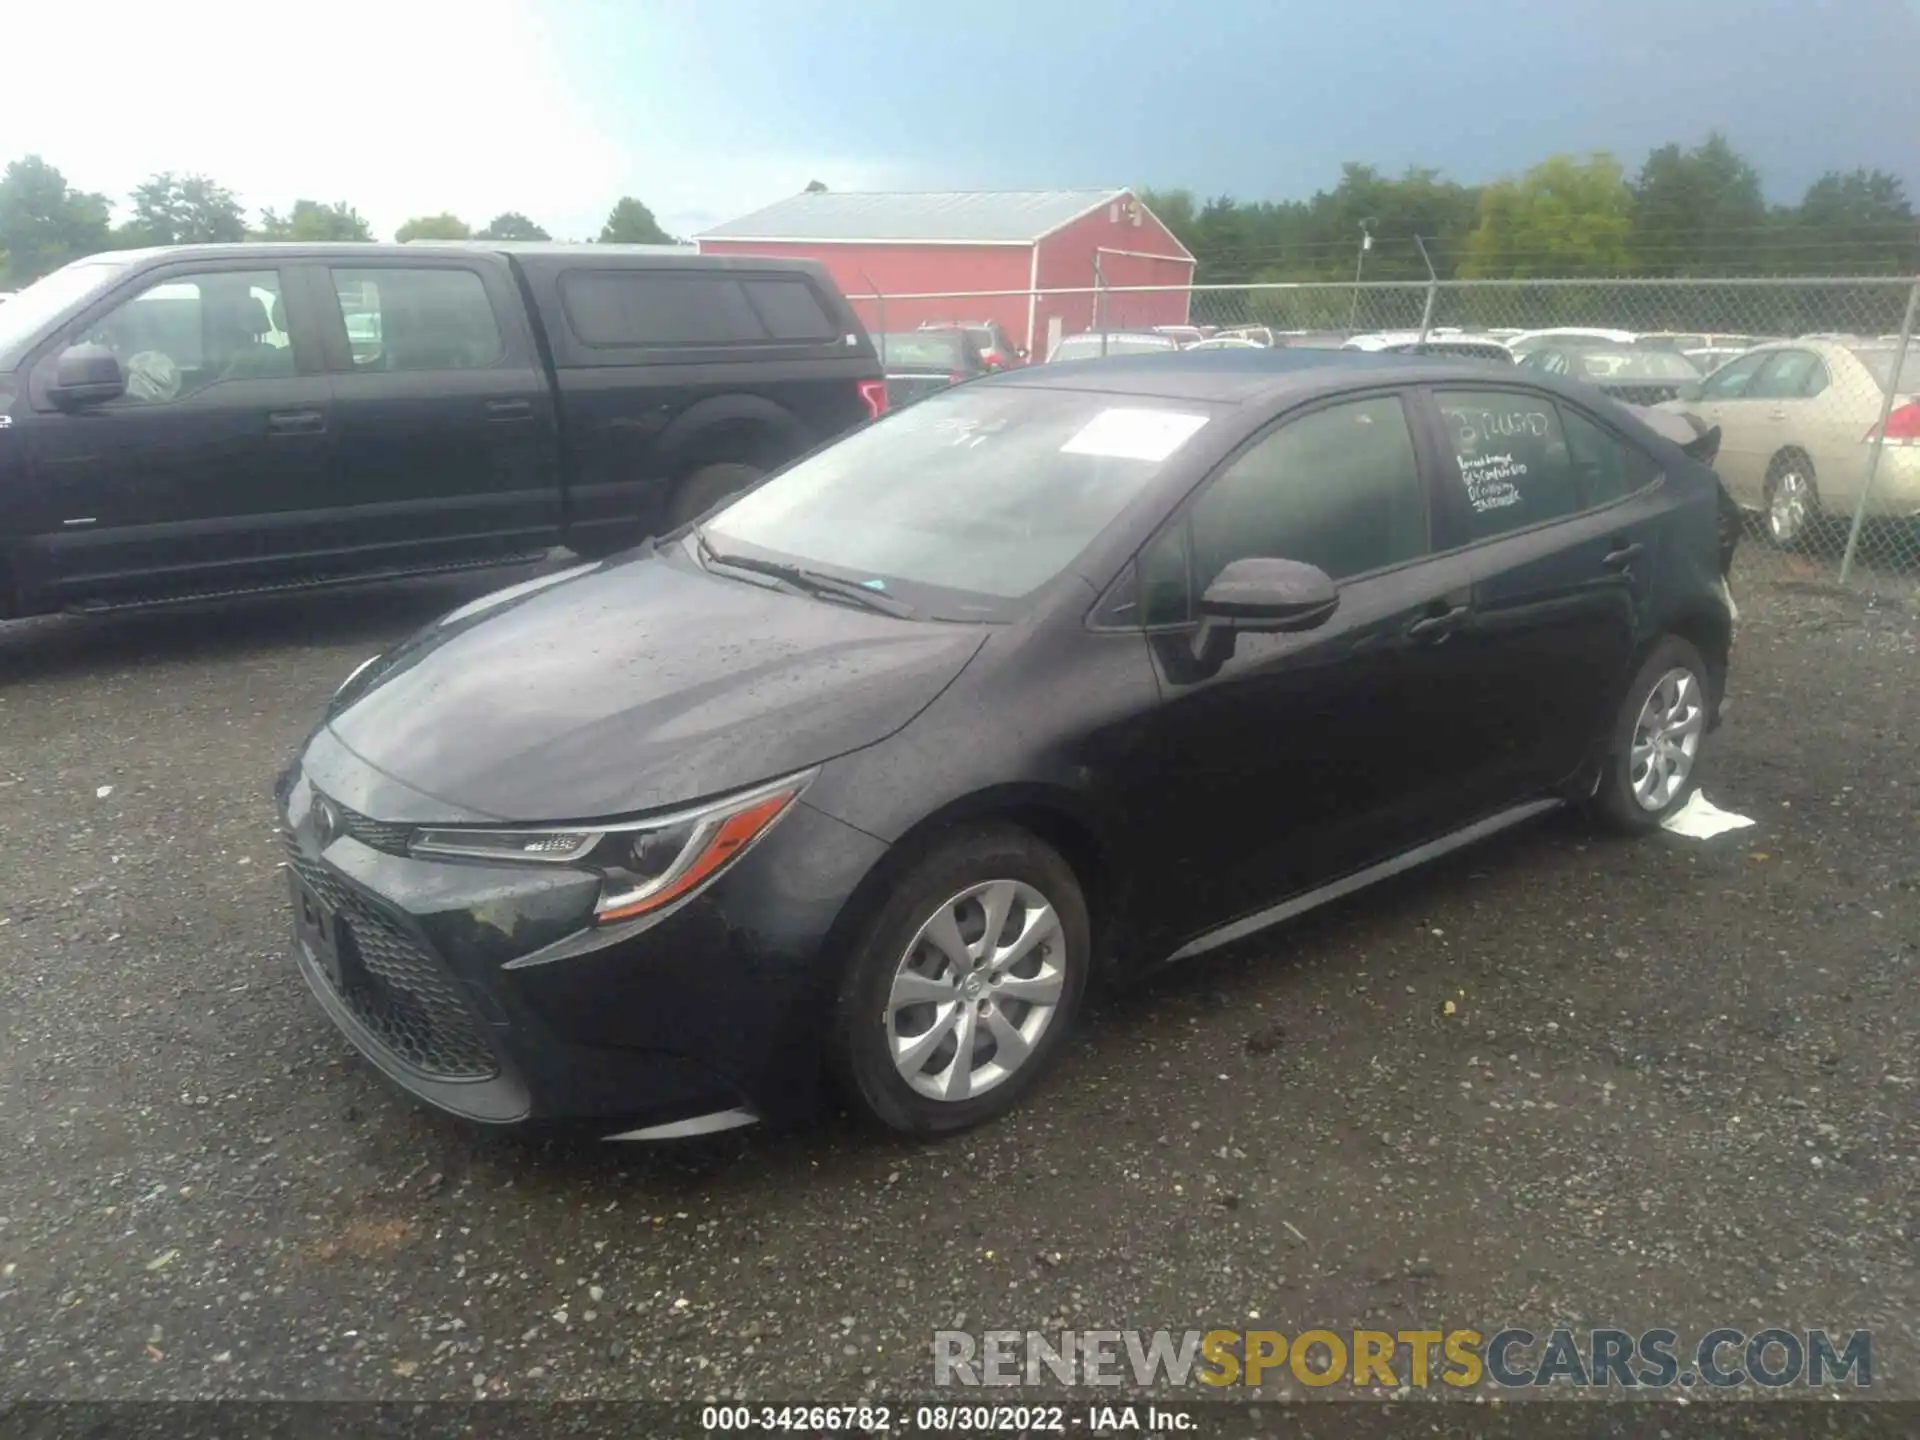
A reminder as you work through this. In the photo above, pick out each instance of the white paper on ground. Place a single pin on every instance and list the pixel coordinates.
(1701, 819)
(1134, 434)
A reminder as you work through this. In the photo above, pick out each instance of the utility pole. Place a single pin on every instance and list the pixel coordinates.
(1359, 264)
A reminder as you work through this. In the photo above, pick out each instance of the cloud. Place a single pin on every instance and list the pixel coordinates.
(398, 107)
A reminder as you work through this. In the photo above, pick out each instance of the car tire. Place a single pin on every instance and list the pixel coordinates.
(1790, 511)
(1653, 754)
(890, 1063)
(707, 487)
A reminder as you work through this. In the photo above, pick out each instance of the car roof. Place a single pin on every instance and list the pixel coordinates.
(1236, 376)
(666, 256)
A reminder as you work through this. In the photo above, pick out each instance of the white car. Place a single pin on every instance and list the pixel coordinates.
(1533, 339)
(1225, 342)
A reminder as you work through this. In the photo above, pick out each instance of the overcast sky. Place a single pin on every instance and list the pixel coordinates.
(708, 108)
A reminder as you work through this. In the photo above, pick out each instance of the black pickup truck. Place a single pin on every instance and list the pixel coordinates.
(197, 421)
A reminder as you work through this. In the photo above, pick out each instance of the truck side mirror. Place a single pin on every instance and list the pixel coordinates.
(87, 375)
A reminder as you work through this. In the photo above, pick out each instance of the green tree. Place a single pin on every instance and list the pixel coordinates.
(1565, 216)
(174, 209)
(512, 225)
(1698, 211)
(1851, 222)
(434, 227)
(44, 222)
(310, 221)
(631, 223)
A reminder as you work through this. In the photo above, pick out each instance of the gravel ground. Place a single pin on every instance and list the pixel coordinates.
(1677, 1086)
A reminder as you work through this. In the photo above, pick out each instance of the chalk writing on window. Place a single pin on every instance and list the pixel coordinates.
(1489, 480)
(1483, 427)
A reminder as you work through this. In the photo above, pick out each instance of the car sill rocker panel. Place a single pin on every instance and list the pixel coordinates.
(1360, 879)
(714, 1124)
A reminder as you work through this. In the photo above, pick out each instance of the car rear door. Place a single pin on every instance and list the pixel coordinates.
(1559, 519)
(445, 445)
(200, 477)
(1307, 756)
(1727, 400)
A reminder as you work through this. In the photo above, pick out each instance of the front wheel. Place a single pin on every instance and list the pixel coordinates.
(965, 984)
(1653, 760)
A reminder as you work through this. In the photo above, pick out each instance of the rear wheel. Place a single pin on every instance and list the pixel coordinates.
(1793, 501)
(965, 985)
(707, 487)
(1653, 760)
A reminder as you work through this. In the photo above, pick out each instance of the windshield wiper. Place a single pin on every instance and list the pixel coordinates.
(813, 582)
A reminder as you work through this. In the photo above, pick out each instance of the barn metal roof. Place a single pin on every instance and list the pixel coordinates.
(977, 217)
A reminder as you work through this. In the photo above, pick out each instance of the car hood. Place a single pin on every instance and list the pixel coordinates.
(635, 685)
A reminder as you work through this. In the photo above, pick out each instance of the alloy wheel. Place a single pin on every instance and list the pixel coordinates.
(976, 989)
(1666, 739)
(1789, 507)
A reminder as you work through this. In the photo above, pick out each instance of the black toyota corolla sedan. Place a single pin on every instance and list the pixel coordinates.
(1048, 679)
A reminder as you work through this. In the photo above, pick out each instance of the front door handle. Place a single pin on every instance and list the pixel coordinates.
(1623, 557)
(509, 409)
(296, 422)
(1435, 628)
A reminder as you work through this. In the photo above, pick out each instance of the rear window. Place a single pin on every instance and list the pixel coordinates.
(943, 348)
(1880, 362)
(615, 309)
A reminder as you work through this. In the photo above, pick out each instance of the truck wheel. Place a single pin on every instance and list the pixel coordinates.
(707, 487)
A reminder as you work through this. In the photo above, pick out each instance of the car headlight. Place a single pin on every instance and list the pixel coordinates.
(644, 865)
(358, 671)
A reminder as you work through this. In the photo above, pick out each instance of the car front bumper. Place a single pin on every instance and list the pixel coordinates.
(486, 990)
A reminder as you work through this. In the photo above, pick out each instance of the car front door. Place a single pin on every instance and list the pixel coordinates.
(187, 482)
(445, 442)
(1306, 756)
(1559, 519)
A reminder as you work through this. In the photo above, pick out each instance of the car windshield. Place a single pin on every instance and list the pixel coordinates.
(1082, 347)
(1880, 362)
(964, 501)
(24, 316)
(936, 349)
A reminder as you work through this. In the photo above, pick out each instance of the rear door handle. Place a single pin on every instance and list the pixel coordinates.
(1435, 628)
(296, 422)
(509, 409)
(1776, 414)
(1623, 557)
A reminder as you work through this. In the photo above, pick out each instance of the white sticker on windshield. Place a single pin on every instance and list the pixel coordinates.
(1134, 434)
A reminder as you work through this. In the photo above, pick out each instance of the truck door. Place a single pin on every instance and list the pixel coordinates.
(445, 442)
(196, 478)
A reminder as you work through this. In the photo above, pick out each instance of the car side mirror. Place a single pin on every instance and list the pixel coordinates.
(1262, 596)
(87, 375)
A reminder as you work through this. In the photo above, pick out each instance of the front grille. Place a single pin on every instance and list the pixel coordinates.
(398, 992)
(380, 834)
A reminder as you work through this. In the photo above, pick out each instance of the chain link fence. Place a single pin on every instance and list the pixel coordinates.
(1813, 383)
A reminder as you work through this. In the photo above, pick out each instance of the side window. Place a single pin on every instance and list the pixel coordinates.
(1607, 468)
(1338, 488)
(400, 320)
(1789, 375)
(186, 333)
(790, 310)
(1514, 466)
(641, 308)
(1731, 380)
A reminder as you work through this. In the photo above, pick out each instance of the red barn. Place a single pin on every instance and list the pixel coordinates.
(1015, 242)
